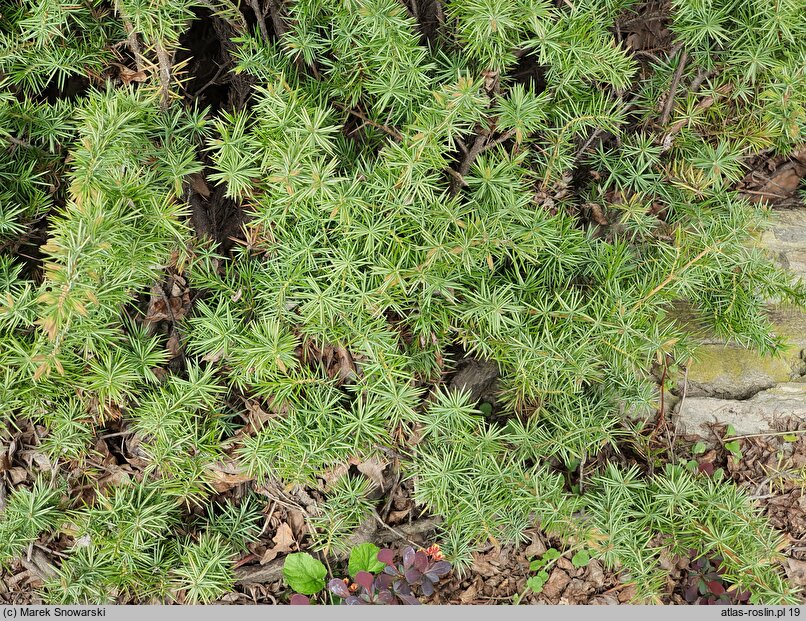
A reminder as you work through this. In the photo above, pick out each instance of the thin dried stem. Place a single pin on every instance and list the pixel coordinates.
(667, 108)
(133, 42)
(164, 60)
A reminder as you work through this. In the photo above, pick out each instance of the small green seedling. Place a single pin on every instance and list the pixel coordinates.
(733, 447)
(540, 565)
(581, 559)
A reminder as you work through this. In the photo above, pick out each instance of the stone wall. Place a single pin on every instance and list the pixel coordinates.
(729, 384)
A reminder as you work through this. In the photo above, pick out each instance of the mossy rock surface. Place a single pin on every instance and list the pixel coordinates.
(769, 410)
(733, 373)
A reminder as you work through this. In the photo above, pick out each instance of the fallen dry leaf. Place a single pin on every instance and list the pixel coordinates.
(199, 185)
(17, 475)
(35, 458)
(372, 468)
(296, 520)
(41, 460)
(332, 475)
(597, 213)
(536, 548)
(127, 76)
(346, 365)
(283, 543)
(482, 566)
(628, 593)
(118, 476)
(396, 517)
(469, 594)
(158, 310)
(796, 571)
(13, 581)
(576, 592)
(102, 450)
(213, 357)
(780, 186)
(595, 574)
(257, 417)
(226, 475)
(173, 345)
(556, 584)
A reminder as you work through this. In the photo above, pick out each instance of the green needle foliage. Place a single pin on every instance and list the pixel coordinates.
(674, 513)
(507, 181)
(346, 507)
(27, 514)
(127, 547)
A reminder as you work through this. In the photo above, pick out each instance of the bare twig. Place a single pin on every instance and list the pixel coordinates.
(392, 530)
(459, 175)
(478, 147)
(667, 107)
(582, 475)
(662, 405)
(268, 519)
(276, 19)
(701, 76)
(440, 14)
(648, 54)
(387, 507)
(224, 14)
(261, 20)
(628, 104)
(502, 138)
(588, 143)
(217, 75)
(384, 128)
(674, 274)
(116, 435)
(704, 104)
(164, 60)
(16, 141)
(764, 435)
(415, 11)
(646, 18)
(133, 42)
(457, 178)
(680, 406)
(767, 194)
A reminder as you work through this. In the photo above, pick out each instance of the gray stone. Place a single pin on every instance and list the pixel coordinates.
(759, 414)
(729, 372)
(786, 239)
(474, 376)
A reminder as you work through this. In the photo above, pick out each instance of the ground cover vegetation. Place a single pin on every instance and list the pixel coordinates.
(267, 269)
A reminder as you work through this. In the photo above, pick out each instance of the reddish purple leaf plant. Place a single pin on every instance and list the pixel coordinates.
(705, 584)
(399, 583)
